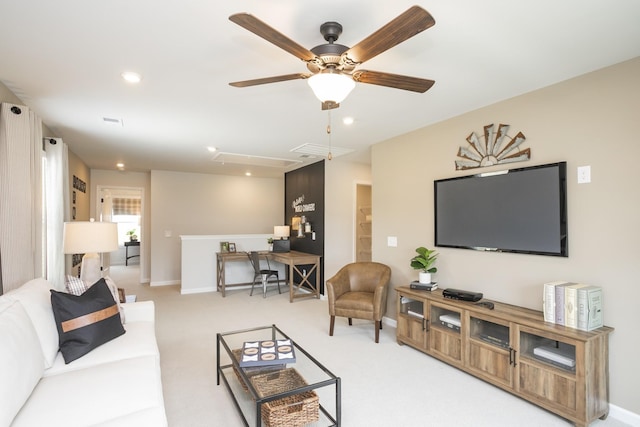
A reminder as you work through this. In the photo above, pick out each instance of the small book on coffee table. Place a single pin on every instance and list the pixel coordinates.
(264, 353)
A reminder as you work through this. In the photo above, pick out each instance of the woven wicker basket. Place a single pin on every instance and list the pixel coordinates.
(293, 411)
(249, 372)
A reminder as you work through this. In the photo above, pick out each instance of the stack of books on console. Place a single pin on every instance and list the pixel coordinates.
(423, 286)
(574, 305)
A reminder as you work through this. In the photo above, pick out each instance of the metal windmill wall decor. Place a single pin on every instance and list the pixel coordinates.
(493, 150)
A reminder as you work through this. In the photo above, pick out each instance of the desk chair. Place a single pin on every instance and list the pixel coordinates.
(264, 275)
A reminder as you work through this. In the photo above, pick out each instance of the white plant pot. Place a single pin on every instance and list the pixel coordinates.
(424, 277)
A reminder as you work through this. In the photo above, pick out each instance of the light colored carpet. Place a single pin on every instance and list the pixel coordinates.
(383, 384)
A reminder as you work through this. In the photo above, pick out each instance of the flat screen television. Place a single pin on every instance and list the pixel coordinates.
(521, 210)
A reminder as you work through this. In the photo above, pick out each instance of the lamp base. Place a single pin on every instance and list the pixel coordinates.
(91, 270)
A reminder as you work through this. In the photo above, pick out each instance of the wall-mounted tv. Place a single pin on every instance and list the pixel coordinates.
(521, 210)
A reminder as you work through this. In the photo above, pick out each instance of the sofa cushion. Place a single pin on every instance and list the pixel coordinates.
(36, 300)
(87, 321)
(140, 340)
(96, 395)
(21, 359)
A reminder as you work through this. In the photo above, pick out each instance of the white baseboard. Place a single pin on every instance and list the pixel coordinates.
(389, 321)
(201, 290)
(624, 415)
(165, 283)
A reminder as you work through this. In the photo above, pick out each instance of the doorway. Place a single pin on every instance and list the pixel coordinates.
(125, 207)
(363, 221)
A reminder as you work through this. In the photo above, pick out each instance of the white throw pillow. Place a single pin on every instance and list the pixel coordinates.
(21, 359)
(36, 300)
(116, 295)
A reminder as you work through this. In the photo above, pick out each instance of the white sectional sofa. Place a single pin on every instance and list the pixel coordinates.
(115, 384)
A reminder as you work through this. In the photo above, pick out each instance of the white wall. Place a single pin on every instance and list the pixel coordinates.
(590, 120)
(204, 204)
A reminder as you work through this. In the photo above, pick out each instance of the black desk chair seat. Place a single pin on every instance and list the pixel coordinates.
(262, 274)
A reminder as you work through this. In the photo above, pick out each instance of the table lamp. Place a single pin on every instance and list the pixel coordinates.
(90, 238)
(281, 233)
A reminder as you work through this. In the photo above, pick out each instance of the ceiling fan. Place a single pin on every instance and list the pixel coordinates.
(333, 65)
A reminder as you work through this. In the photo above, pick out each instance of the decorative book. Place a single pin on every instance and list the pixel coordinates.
(264, 353)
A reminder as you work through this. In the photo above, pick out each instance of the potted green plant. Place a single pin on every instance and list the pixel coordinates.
(132, 235)
(424, 261)
(270, 243)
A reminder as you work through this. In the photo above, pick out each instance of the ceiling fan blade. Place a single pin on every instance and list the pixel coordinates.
(274, 79)
(396, 81)
(271, 35)
(413, 21)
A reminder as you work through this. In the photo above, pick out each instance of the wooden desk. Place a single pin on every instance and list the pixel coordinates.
(294, 259)
(221, 259)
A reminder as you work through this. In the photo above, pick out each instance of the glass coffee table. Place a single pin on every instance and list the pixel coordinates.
(298, 393)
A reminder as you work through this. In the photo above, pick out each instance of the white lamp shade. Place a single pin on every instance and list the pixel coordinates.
(330, 86)
(90, 237)
(281, 231)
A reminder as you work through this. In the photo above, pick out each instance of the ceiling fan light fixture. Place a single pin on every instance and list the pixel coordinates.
(331, 86)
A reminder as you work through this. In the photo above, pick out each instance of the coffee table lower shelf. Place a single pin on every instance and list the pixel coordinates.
(278, 396)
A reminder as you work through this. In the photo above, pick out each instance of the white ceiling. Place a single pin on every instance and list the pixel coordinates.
(63, 58)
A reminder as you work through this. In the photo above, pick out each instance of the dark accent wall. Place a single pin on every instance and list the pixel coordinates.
(304, 195)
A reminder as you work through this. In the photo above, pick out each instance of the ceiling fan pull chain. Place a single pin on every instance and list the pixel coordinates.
(329, 156)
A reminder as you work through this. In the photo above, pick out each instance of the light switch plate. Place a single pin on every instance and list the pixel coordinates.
(584, 174)
(392, 241)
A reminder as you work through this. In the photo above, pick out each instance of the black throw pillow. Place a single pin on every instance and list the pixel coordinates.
(85, 321)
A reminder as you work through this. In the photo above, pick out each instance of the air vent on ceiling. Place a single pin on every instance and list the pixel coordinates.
(245, 159)
(321, 150)
(112, 121)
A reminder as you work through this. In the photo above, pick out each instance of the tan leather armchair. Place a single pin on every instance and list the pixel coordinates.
(359, 290)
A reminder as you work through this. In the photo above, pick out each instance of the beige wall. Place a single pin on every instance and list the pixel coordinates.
(79, 169)
(341, 178)
(590, 120)
(190, 203)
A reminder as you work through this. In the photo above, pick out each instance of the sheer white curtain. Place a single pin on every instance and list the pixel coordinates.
(57, 207)
(20, 195)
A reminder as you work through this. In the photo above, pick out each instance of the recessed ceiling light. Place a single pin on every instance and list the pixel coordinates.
(347, 121)
(212, 149)
(131, 77)
(120, 165)
(247, 173)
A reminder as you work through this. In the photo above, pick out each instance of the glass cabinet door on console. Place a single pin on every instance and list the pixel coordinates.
(490, 352)
(547, 368)
(444, 328)
(412, 323)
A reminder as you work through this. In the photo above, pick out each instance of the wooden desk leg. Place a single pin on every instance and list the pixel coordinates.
(318, 279)
(291, 282)
(220, 275)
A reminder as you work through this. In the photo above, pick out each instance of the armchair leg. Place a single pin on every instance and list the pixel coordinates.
(331, 323)
(350, 322)
(378, 327)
